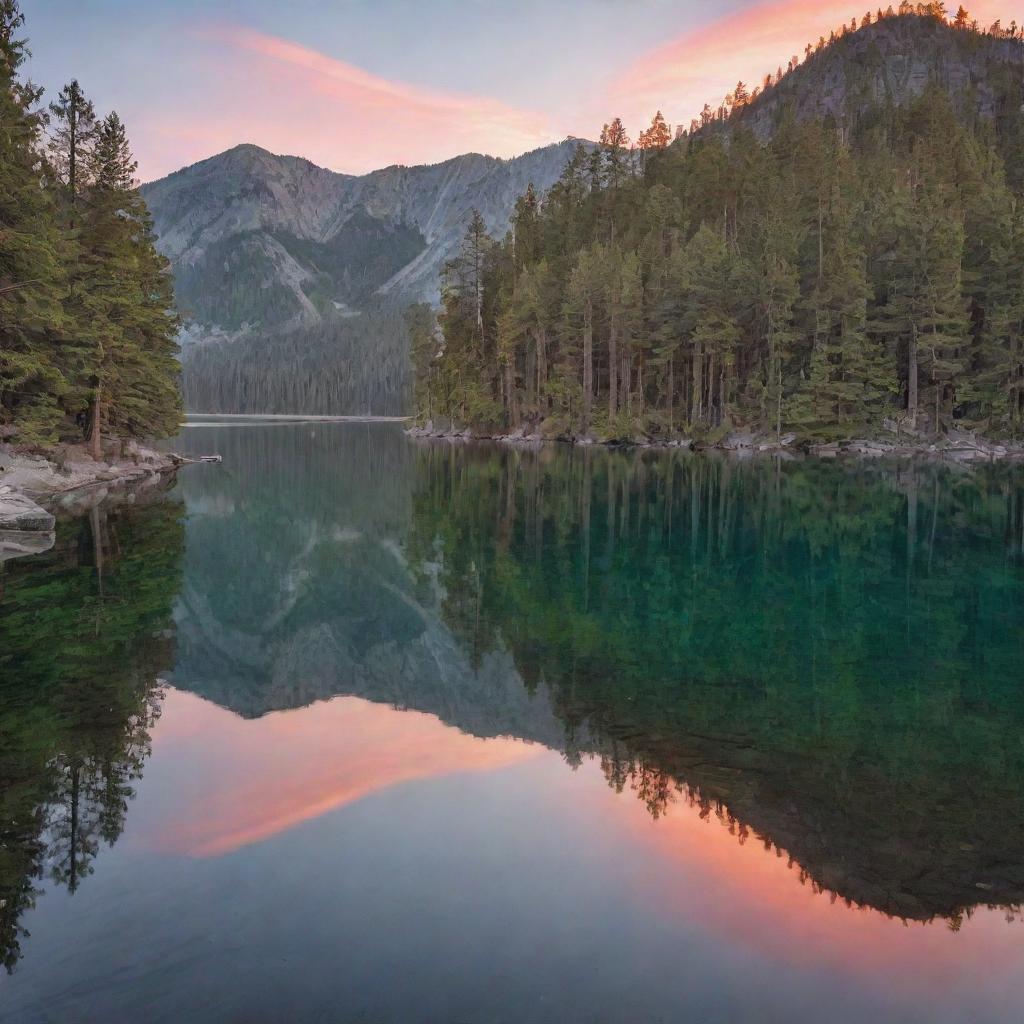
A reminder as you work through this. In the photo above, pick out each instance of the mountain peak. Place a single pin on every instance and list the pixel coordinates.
(892, 58)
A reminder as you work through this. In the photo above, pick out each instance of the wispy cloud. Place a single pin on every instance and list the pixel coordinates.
(292, 98)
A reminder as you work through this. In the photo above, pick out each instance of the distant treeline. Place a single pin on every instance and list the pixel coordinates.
(841, 274)
(87, 327)
(345, 365)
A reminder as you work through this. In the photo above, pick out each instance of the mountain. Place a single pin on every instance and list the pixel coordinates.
(891, 62)
(259, 241)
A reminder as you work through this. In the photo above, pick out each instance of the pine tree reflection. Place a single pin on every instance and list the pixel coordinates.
(825, 655)
(85, 632)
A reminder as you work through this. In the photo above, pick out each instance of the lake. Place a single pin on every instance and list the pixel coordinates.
(352, 728)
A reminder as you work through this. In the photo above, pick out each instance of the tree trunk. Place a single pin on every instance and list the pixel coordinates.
(698, 359)
(540, 337)
(912, 377)
(96, 427)
(588, 365)
(510, 394)
(613, 369)
(671, 393)
(710, 406)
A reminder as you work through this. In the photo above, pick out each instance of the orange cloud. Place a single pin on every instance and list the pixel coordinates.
(703, 65)
(220, 783)
(239, 782)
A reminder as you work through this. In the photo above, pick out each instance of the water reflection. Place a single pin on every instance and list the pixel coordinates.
(285, 769)
(383, 657)
(827, 656)
(85, 631)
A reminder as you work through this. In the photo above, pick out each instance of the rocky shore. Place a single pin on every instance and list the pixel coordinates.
(36, 487)
(957, 446)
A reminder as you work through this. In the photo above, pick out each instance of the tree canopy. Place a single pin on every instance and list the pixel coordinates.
(86, 302)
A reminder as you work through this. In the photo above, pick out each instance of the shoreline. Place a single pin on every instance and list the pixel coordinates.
(958, 448)
(281, 417)
(35, 488)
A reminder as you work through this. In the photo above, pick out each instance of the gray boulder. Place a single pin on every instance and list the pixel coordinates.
(22, 514)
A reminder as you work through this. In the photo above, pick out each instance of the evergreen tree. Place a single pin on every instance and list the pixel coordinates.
(925, 310)
(131, 366)
(848, 378)
(31, 314)
(73, 137)
(840, 273)
(86, 304)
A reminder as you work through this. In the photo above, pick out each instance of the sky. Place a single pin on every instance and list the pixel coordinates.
(355, 85)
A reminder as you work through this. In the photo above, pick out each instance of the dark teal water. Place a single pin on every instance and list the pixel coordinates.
(352, 728)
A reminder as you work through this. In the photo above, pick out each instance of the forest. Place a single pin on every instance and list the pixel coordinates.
(833, 276)
(86, 303)
(356, 364)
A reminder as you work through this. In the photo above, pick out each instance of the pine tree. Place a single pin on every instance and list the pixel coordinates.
(925, 310)
(623, 300)
(818, 280)
(707, 278)
(73, 137)
(469, 371)
(848, 378)
(127, 291)
(31, 383)
(657, 136)
(615, 143)
(582, 310)
(780, 293)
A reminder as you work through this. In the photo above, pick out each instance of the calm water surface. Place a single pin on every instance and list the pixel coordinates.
(354, 729)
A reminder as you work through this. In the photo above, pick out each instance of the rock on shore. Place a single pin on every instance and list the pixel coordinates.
(20, 543)
(68, 468)
(21, 514)
(33, 486)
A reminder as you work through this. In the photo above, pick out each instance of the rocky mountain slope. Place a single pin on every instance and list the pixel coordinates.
(263, 241)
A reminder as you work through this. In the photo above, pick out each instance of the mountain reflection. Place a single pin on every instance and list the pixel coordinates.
(826, 656)
(85, 632)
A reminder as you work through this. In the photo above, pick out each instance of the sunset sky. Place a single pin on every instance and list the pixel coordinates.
(360, 84)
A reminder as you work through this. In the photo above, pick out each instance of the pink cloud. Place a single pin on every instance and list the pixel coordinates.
(239, 782)
(293, 99)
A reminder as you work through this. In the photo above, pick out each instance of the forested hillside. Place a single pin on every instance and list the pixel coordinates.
(830, 255)
(344, 365)
(87, 322)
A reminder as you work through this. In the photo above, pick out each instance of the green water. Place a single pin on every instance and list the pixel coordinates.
(508, 735)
